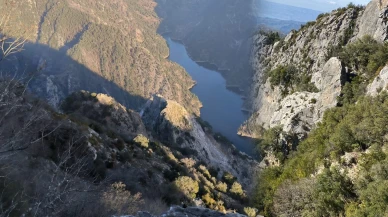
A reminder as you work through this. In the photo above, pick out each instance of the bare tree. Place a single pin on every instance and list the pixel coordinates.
(64, 181)
(9, 45)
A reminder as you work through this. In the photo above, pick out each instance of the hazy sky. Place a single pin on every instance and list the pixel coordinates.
(320, 5)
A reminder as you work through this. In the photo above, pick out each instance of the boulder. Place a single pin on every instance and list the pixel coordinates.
(380, 83)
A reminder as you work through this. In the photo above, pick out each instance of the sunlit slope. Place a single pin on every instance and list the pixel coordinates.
(115, 40)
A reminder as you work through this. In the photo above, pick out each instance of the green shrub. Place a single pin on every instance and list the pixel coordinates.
(352, 91)
(353, 127)
(119, 144)
(141, 140)
(308, 24)
(187, 186)
(204, 171)
(290, 79)
(204, 124)
(125, 156)
(320, 16)
(365, 56)
(208, 200)
(99, 170)
(272, 36)
(237, 190)
(250, 212)
(222, 186)
(228, 178)
(332, 192)
(373, 200)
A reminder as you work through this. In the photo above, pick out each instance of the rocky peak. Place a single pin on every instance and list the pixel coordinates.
(105, 110)
(168, 110)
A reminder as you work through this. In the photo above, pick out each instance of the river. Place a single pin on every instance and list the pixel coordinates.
(221, 107)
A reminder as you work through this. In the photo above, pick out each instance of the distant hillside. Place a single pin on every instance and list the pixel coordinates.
(284, 12)
(214, 33)
(284, 26)
(101, 46)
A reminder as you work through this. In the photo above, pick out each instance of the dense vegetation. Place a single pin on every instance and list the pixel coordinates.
(272, 36)
(290, 80)
(340, 168)
(366, 58)
(351, 128)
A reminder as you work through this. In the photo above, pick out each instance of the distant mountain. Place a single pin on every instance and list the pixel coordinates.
(284, 12)
(284, 26)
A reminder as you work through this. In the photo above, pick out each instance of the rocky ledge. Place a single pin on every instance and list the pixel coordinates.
(172, 124)
(191, 212)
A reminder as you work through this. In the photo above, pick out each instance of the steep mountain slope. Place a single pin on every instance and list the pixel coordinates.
(99, 149)
(215, 32)
(320, 106)
(310, 57)
(109, 47)
(98, 159)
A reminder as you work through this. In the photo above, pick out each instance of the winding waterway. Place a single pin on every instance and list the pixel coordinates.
(221, 107)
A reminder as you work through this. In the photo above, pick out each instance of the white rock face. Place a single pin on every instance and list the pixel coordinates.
(53, 94)
(299, 112)
(373, 21)
(307, 50)
(175, 125)
(380, 83)
(329, 81)
(296, 112)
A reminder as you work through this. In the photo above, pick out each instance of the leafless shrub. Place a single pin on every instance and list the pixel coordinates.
(120, 201)
(9, 45)
(292, 198)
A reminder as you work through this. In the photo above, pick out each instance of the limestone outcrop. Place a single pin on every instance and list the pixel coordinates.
(380, 83)
(373, 21)
(171, 123)
(309, 51)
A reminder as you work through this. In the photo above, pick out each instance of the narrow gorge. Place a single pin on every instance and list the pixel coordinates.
(193, 108)
(100, 105)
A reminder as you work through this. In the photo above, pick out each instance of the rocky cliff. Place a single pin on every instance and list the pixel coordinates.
(317, 76)
(329, 76)
(174, 125)
(118, 160)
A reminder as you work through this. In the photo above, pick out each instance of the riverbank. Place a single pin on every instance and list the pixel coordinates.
(222, 108)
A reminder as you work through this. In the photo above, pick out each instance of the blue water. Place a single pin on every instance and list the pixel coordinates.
(221, 107)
